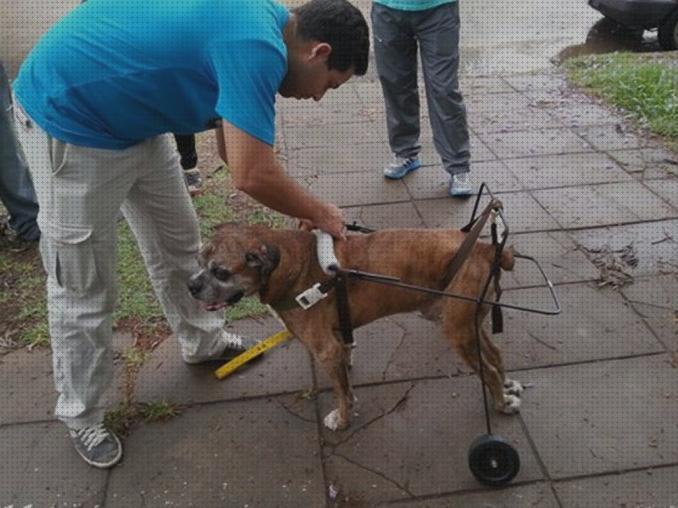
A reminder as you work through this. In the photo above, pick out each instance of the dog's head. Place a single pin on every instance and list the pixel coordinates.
(235, 264)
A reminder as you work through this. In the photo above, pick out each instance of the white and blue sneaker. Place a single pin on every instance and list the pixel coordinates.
(460, 186)
(400, 167)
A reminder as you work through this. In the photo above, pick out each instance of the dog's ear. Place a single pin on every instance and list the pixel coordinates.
(265, 259)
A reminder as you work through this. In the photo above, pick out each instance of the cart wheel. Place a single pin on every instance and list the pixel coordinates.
(493, 461)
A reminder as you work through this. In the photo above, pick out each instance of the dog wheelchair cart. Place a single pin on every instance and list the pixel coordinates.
(491, 458)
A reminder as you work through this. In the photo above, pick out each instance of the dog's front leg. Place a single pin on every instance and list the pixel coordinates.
(332, 356)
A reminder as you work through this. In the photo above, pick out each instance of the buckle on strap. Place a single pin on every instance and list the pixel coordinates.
(311, 296)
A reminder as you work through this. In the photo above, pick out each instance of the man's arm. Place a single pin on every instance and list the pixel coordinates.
(257, 172)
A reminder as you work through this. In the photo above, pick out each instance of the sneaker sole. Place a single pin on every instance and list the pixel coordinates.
(461, 194)
(104, 465)
(404, 174)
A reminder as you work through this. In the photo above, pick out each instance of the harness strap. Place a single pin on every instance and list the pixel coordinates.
(470, 240)
(343, 311)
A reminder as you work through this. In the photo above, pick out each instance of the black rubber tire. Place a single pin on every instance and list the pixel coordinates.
(493, 461)
(668, 32)
(606, 30)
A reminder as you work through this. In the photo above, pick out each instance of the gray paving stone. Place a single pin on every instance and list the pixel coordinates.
(522, 212)
(28, 386)
(656, 299)
(556, 253)
(647, 163)
(603, 204)
(255, 453)
(337, 106)
(499, 102)
(165, 377)
(337, 158)
(537, 142)
(530, 82)
(358, 189)
(372, 99)
(650, 488)
(479, 150)
(610, 137)
(667, 189)
(349, 157)
(429, 155)
(565, 170)
(537, 495)
(412, 438)
(604, 416)
(396, 215)
(481, 86)
(317, 115)
(593, 324)
(397, 348)
(345, 134)
(573, 109)
(652, 243)
(518, 119)
(434, 182)
(40, 467)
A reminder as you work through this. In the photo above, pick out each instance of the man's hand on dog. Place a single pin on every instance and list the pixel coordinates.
(330, 220)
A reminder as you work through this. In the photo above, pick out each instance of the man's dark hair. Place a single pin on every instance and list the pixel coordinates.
(342, 26)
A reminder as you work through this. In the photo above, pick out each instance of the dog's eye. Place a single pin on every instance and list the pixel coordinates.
(220, 273)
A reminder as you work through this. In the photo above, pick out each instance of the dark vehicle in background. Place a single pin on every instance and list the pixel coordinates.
(629, 18)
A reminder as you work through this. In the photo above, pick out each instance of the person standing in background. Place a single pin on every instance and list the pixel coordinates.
(400, 27)
(16, 188)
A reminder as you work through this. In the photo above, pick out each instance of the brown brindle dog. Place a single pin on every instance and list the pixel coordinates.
(280, 264)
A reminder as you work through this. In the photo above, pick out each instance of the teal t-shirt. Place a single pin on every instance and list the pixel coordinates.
(112, 73)
(412, 5)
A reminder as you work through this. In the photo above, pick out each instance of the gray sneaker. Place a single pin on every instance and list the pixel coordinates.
(98, 446)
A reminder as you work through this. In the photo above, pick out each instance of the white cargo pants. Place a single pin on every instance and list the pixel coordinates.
(81, 192)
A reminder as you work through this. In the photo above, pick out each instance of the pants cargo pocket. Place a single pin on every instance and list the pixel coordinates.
(69, 258)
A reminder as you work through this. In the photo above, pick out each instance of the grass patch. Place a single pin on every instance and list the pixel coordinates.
(158, 411)
(128, 414)
(645, 87)
(134, 357)
(23, 314)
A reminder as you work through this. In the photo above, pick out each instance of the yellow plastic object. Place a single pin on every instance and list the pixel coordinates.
(240, 360)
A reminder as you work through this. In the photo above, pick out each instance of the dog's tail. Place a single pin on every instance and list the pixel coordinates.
(507, 258)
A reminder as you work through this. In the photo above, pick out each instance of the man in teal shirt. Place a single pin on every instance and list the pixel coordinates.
(398, 27)
(95, 100)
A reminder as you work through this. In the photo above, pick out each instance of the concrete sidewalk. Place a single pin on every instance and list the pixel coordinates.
(599, 425)
(583, 193)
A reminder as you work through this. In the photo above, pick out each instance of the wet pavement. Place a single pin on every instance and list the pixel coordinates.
(584, 193)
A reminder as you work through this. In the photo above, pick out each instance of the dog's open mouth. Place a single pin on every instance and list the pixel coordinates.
(220, 305)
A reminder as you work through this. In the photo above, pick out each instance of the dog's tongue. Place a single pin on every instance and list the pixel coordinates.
(214, 306)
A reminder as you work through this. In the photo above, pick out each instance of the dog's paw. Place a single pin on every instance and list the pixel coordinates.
(334, 422)
(510, 406)
(513, 387)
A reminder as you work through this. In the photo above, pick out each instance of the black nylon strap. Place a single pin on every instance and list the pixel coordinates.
(469, 242)
(343, 310)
